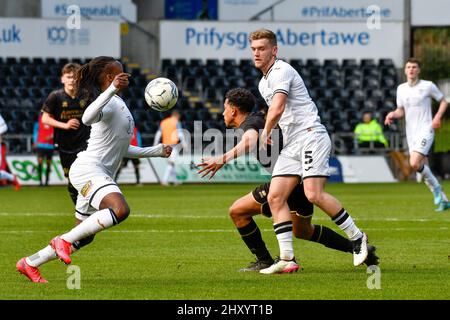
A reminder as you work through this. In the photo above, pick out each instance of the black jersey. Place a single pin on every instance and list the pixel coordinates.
(266, 157)
(63, 107)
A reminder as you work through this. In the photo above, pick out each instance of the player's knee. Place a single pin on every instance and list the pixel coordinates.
(235, 212)
(313, 196)
(415, 165)
(274, 200)
(121, 210)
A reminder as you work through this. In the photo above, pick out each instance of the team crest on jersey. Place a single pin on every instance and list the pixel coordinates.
(82, 103)
(108, 179)
(65, 104)
(86, 188)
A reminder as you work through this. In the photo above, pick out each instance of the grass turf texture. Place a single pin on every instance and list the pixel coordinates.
(179, 243)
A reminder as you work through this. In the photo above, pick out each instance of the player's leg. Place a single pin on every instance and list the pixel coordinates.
(420, 164)
(29, 265)
(112, 209)
(280, 189)
(315, 157)
(10, 177)
(48, 158)
(314, 190)
(40, 160)
(136, 170)
(241, 213)
(67, 159)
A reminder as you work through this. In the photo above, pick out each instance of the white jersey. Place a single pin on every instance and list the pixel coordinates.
(300, 112)
(416, 101)
(110, 136)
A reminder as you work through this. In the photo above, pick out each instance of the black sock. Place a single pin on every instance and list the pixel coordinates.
(331, 239)
(39, 168)
(251, 235)
(47, 174)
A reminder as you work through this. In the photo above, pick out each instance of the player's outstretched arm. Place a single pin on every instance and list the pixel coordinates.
(391, 116)
(212, 165)
(160, 150)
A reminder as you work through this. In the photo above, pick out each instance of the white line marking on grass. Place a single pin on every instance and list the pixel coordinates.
(224, 216)
(207, 230)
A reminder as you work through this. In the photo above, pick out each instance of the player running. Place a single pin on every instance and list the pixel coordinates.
(238, 107)
(414, 103)
(100, 203)
(63, 110)
(305, 153)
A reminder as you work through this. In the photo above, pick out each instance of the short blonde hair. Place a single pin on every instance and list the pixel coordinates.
(264, 34)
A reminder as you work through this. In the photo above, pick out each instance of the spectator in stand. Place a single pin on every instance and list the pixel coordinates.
(369, 133)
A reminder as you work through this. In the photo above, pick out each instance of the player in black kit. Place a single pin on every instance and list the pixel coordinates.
(63, 111)
(238, 107)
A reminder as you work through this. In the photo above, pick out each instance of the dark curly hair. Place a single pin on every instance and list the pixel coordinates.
(87, 77)
(242, 99)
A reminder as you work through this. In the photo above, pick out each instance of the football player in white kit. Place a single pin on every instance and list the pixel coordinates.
(414, 103)
(305, 153)
(100, 204)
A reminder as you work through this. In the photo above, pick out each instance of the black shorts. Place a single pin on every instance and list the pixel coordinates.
(66, 161)
(44, 153)
(297, 200)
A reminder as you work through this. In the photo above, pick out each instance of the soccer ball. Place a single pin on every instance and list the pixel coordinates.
(161, 94)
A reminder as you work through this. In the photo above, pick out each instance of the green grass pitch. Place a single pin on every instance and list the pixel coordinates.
(179, 244)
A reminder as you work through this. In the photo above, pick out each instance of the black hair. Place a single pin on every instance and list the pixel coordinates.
(87, 78)
(242, 99)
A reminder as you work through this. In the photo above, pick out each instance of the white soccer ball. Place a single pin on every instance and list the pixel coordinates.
(161, 94)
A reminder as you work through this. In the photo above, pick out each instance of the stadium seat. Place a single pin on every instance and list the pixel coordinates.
(165, 63)
(229, 63)
(313, 62)
(213, 63)
(236, 82)
(352, 83)
(331, 63)
(368, 63)
(191, 84)
(172, 73)
(12, 81)
(388, 83)
(186, 72)
(180, 63)
(334, 82)
(244, 63)
(11, 60)
(371, 83)
(21, 92)
(24, 61)
(386, 62)
(37, 60)
(349, 63)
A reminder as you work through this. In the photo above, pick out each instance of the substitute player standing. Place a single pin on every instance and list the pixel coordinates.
(63, 110)
(93, 171)
(414, 103)
(305, 153)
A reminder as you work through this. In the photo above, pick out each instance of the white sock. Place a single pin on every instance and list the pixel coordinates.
(6, 175)
(346, 224)
(283, 230)
(166, 177)
(43, 256)
(97, 222)
(429, 179)
(173, 174)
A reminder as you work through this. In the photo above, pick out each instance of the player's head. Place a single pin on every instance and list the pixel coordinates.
(68, 76)
(238, 104)
(412, 69)
(264, 47)
(367, 116)
(97, 75)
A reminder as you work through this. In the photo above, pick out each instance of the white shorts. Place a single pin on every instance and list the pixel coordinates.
(307, 156)
(92, 184)
(421, 142)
